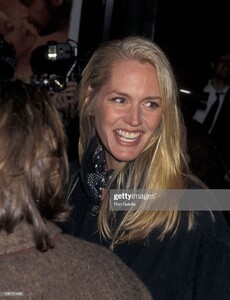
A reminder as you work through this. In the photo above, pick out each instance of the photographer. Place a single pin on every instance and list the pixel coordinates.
(66, 103)
(54, 67)
(66, 99)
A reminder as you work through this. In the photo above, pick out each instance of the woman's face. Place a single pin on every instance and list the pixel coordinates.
(128, 111)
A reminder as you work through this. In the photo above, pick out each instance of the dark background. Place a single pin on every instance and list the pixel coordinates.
(189, 31)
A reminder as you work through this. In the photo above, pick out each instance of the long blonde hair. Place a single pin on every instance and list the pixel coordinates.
(163, 163)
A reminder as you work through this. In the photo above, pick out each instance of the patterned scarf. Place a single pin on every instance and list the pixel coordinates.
(98, 179)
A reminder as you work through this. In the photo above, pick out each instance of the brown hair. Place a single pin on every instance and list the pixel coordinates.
(33, 162)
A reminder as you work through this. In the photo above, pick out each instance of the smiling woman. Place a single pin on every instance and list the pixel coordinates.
(132, 137)
(128, 111)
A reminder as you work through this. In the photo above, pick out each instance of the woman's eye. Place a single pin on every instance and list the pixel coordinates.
(151, 104)
(118, 100)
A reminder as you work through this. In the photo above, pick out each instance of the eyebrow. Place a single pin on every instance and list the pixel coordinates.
(127, 95)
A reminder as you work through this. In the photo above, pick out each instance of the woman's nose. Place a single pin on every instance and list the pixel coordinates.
(133, 116)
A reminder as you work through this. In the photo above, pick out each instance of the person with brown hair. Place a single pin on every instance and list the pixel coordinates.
(37, 260)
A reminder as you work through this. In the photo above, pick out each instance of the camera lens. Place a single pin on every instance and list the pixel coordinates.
(57, 83)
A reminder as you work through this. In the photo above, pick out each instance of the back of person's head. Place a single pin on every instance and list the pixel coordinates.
(33, 163)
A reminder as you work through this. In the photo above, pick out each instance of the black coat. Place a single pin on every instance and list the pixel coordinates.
(220, 131)
(189, 265)
(210, 153)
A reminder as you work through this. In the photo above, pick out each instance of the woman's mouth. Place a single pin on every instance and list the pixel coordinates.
(126, 136)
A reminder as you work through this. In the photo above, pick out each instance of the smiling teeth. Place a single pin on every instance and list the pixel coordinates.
(128, 135)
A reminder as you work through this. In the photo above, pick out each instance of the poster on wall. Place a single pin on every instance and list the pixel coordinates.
(26, 25)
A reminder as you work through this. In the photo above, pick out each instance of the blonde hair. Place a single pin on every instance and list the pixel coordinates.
(163, 163)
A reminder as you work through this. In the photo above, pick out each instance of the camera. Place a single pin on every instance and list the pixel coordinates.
(53, 64)
(7, 60)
